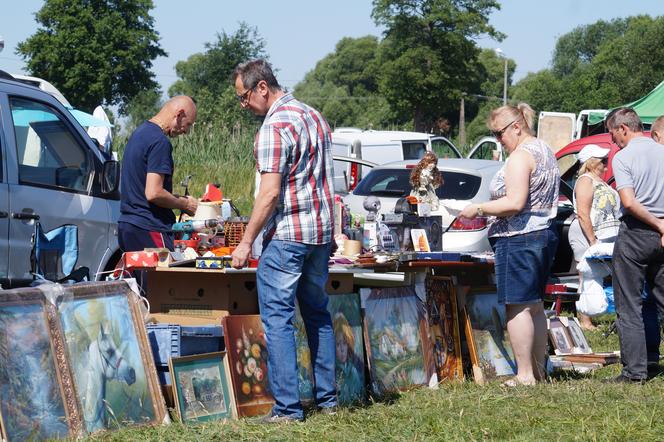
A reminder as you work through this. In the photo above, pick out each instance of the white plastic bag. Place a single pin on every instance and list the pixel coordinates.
(592, 300)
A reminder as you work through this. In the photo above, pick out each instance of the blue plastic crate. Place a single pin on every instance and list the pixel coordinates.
(168, 340)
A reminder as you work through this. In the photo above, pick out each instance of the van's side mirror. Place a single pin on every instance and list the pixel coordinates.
(110, 177)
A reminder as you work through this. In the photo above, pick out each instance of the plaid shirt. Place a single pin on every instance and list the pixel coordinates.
(295, 142)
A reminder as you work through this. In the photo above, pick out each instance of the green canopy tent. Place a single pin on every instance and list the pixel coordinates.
(648, 107)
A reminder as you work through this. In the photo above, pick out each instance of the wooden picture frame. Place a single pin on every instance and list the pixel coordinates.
(250, 379)
(104, 338)
(443, 318)
(559, 337)
(34, 373)
(488, 341)
(202, 387)
(579, 341)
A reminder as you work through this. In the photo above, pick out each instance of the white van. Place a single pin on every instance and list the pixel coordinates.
(51, 172)
(380, 147)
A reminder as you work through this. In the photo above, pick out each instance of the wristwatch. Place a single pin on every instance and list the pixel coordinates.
(480, 212)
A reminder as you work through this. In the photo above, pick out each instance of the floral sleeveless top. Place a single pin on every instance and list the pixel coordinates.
(605, 210)
(542, 203)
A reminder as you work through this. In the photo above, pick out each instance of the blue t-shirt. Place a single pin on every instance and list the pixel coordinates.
(148, 151)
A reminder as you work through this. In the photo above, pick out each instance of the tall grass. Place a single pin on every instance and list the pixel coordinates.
(213, 154)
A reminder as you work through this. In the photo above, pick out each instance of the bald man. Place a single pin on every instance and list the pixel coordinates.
(657, 130)
(147, 199)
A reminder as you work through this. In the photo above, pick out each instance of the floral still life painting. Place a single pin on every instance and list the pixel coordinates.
(109, 357)
(397, 342)
(202, 387)
(349, 344)
(247, 357)
(31, 398)
(487, 335)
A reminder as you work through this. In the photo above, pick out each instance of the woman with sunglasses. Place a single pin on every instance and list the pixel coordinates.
(597, 208)
(523, 206)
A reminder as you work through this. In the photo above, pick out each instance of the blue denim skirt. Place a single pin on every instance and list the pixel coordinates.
(523, 263)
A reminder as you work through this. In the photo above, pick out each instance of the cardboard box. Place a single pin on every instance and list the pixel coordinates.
(202, 294)
(164, 256)
(139, 260)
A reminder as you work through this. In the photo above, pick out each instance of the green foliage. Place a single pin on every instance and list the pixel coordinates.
(142, 107)
(344, 86)
(207, 76)
(428, 57)
(94, 51)
(602, 65)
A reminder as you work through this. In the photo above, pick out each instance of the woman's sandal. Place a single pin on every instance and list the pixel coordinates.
(514, 382)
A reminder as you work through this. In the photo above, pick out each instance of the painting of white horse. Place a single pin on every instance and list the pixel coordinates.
(106, 362)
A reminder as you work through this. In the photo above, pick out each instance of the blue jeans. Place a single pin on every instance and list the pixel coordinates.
(288, 270)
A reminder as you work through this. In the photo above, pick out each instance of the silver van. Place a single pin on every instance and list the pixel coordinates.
(51, 172)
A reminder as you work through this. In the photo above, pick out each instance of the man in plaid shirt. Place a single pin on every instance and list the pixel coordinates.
(294, 207)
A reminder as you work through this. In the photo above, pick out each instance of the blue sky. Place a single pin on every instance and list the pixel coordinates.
(298, 33)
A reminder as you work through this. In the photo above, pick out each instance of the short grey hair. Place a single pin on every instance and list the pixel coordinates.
(626, 116)
(254, 71)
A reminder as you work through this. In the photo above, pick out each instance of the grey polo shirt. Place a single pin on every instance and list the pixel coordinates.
(640, 165)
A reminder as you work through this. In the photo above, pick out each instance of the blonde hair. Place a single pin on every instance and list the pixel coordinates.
(341, 327)
(590, 164)
(522, 113)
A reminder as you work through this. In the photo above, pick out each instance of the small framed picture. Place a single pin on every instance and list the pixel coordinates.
(579, 341)
(202, 387)
(560, 339)
(420, 240)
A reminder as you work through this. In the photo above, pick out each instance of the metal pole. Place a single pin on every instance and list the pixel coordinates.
(505, 85)
(462, 124)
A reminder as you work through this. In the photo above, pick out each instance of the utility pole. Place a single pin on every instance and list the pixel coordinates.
(462, 122)
(501, 54)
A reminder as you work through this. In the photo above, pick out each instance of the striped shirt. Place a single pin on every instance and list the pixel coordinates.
(295, 142)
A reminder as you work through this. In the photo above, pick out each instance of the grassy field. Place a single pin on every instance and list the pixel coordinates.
(569, 407)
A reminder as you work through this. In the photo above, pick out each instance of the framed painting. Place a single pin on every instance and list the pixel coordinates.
(37, 397)
(247, 356)
(559, 337)
(444, 327)
(396, 339)
(347, 325)
(486, 333)
(109, 356)
(305, 371)
(579, 341)
(202, 387)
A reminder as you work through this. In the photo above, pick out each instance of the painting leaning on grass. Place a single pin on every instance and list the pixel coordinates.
(105, 356)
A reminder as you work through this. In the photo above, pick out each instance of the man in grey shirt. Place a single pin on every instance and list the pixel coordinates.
(638, 255)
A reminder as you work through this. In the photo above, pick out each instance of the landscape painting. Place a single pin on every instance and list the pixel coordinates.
(444, 327)
(31, 399)
(105, 354)
(247, 356)
(202, 387)
(349, 344)
(396, 340)
(488, 334)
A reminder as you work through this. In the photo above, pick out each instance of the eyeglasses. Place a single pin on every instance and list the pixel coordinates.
(499, 134)
(244, 97)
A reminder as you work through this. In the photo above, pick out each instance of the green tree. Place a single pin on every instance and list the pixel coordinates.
(207, 76)
(142, 107)
(428, 57)
(94, 51)
(344, 85)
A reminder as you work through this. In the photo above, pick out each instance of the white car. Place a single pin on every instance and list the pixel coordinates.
(465, 181)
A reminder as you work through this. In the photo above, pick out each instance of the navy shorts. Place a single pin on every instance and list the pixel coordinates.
(523, 263)
(132, 238)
